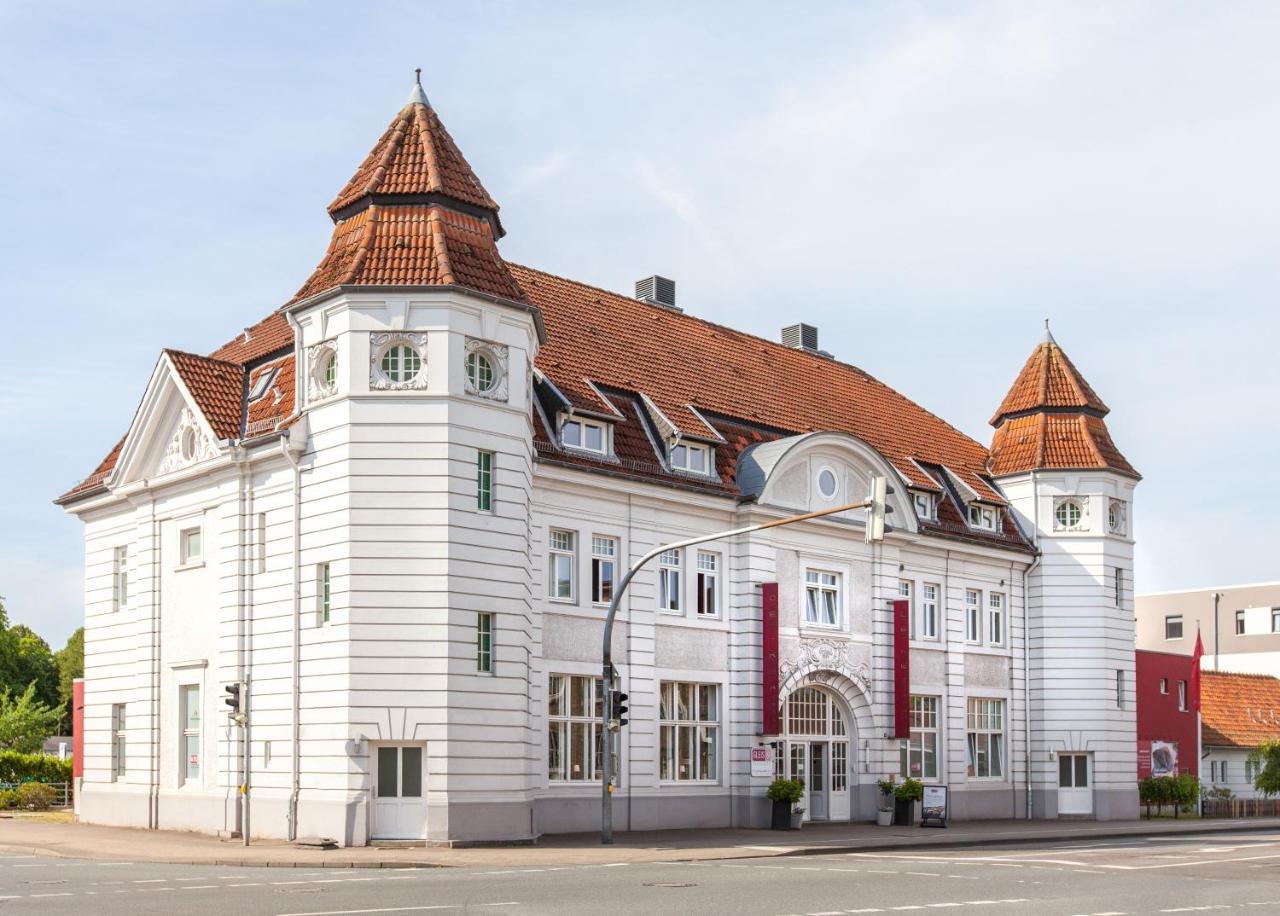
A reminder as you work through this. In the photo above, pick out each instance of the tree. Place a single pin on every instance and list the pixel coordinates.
(25, 722)
(70, 662)
(25, 659)
(1266, 759)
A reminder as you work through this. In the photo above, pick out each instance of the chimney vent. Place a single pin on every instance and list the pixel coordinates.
(657, 291)
(801, 337)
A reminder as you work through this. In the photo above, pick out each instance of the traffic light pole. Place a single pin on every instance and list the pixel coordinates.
(248, 761)
(606, 782)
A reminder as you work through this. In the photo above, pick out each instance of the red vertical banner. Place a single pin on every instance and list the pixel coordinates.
(77, 727)
(769, 686)
(901, 669)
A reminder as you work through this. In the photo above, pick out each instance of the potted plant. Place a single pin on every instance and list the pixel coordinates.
(905, 797)
(884, 806)
(784, 793)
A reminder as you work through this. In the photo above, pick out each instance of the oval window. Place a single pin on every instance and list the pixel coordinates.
(480, 372)
(188, 444)
(827, 483)
(329, 370)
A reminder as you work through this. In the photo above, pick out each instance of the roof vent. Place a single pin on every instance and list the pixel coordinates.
(801, 337)
(657, 291)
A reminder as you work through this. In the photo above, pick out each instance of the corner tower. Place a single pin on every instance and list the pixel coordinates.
(1072, 491)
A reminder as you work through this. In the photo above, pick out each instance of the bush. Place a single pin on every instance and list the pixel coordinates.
(1179, 791)
(16, 767)
(786, 790)
(910, 790)
(1219, 793)
(36, 796)
(8, 798)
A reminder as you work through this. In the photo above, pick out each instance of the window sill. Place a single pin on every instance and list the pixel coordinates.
(184, 567)
(555, 600)
(579, 450)
(829, 627)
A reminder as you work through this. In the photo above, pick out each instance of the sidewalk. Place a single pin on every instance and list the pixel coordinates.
(21, 835)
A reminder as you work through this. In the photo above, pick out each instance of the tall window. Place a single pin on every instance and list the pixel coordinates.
(484, 643)
(822, 598)
(119, 746)
(1182, 696)
(1275, 620)
(995, 618)
(1173, 626)
(603, 564)
(575, 704)
(190, 548)
(561, 564)
(1118, 585)
(484, 481)
(972, 615)
(689, 716)
(919, 754)
(1239, 623)
(928, 611)
(324, 592)
(708, 584)
(1119, 688)
(262, 542)
(904, 594)
(189, 744)
(669, 580)
(986, 738)
(120, 578)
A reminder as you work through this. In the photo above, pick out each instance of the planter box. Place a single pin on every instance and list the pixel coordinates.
(781, 816)
(884, 818)
(904, 810)
(797, 818)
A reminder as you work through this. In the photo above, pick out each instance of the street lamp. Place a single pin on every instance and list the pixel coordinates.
(876, 509)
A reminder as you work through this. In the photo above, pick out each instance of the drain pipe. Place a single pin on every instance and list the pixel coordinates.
(1026, 635)
(291, 448)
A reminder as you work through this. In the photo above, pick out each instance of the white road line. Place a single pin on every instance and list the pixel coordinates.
(247, 884)
(149, 880)
(197, 887)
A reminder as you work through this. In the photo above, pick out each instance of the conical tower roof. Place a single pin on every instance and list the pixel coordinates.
(1052, 418)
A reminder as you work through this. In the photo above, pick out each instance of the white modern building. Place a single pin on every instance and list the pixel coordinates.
(398, 506)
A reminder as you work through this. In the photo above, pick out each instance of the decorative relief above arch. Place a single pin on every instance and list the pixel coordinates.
(188, 445)
(379, 344)
(819, 660)
(496, 354)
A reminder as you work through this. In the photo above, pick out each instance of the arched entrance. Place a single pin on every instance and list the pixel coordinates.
(815, 748)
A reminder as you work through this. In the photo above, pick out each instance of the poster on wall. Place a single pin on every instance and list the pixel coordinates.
(1144, 759)
(762, 761)
(1164, 758)
(933, 807)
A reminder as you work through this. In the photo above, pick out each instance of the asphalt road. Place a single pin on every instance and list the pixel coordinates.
(1187, 874)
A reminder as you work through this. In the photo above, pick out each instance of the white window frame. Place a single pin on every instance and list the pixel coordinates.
(819, 584)
(1240, 619)
(1164, 686)
(563, 721)
(985, 741)
(119, 742)
(556, 552)
(484, 642)
(984, 518)
(707, 577)
(973, 615)
(1082, 507)
(604, 559)
(995, 618)
(1275, 620)
(189, 736)
(580, 427)
(185, 556)
(925, 724)
(930, 613)
(1117, 516)
(923, 503)
(670, 580)
(1118, 585)
(120, 578)
(484, 481)
(679, 723)
(1169, 621)
(324, 593)
(681, 458)
(1182, 696)
(906, 589)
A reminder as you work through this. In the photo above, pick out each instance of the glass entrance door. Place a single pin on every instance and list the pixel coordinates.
(399, 806)
(818, 788)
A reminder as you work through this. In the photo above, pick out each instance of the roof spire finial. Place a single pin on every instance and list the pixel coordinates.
(417, 96)
(1048, 336)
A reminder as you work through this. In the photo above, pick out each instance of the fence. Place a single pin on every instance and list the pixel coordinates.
(62, 792)
(1241, 807)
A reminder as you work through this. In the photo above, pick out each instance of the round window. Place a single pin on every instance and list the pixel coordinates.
(1115, 515)
(480, 372)
(827, 483)
(1068, 513)
(188, 444)
(401, 362)
(329, 370)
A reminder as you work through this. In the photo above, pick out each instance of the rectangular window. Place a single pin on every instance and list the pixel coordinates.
(189, 742)
(924, 505)
(1275, 620)
(904, 594)
(1173, 627)
(695, 459)
(561, 562)
(1164, 685)
(190, 548)
(1239, 623)
(1119, 688)
(484, 481)
(1182, 696)
(689, 726)
(1119, 586)
(583, 434)
(1213, 771)
(919, 754)
(119, 744)
(986, 738)
(984, 517)
(484, 643)
(995, 618)
(1222, 771)
(262, 542)
(603, 564)
(120, 578)
(972, 615)
(708, 584)
(822, 598)
(669, 580)
(928, 611)
(324, 592)
(839, 766)
(575, 704)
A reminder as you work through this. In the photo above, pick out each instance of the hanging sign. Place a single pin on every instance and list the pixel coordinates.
(762, 761)
(934, 806)
(901, 669)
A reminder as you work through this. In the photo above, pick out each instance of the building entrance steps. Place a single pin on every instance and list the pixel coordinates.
(32, 836)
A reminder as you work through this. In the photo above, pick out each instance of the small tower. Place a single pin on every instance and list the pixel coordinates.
(1072, 491)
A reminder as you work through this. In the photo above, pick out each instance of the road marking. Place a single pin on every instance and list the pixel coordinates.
(197, 887)
(247, 884)
(398, 909)
(150, 880)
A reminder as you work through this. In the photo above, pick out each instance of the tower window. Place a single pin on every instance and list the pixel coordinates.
(401, 362)
(1068, 514)
(480, 371)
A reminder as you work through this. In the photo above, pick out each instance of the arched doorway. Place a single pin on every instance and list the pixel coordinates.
(814, 748)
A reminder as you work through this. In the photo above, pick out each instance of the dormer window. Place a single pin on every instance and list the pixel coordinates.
(586, 435)
(984, 517)
(696, 459)
(924, 504)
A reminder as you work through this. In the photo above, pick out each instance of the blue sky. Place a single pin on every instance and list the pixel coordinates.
(924, 182)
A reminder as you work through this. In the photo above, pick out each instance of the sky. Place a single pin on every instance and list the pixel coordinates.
(925, 182)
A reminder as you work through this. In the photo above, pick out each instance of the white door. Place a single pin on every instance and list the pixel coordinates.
(399, 805)
(1075, 784)
(839, 780)
(817, 784)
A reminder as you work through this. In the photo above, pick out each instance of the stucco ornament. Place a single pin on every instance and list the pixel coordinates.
(188, 445)
(819, 660)
(319, 357)
(379, 344)
(496, 354)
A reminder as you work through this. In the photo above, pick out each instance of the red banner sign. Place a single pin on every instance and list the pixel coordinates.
(769, 686)
(901, 669)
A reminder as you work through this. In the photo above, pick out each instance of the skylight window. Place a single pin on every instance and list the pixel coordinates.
(263, 383)
(695, 459)
(583, 434)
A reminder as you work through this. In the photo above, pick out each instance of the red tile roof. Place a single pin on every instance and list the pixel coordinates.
(1238, 710)
(216, 386)
(1049, 380)
(268, 336)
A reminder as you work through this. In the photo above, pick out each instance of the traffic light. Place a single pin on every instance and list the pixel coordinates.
(877, 508)
(235, 696)
(618, 709)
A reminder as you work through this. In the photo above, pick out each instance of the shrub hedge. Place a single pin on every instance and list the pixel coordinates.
(16, 767)
(1179, 791)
